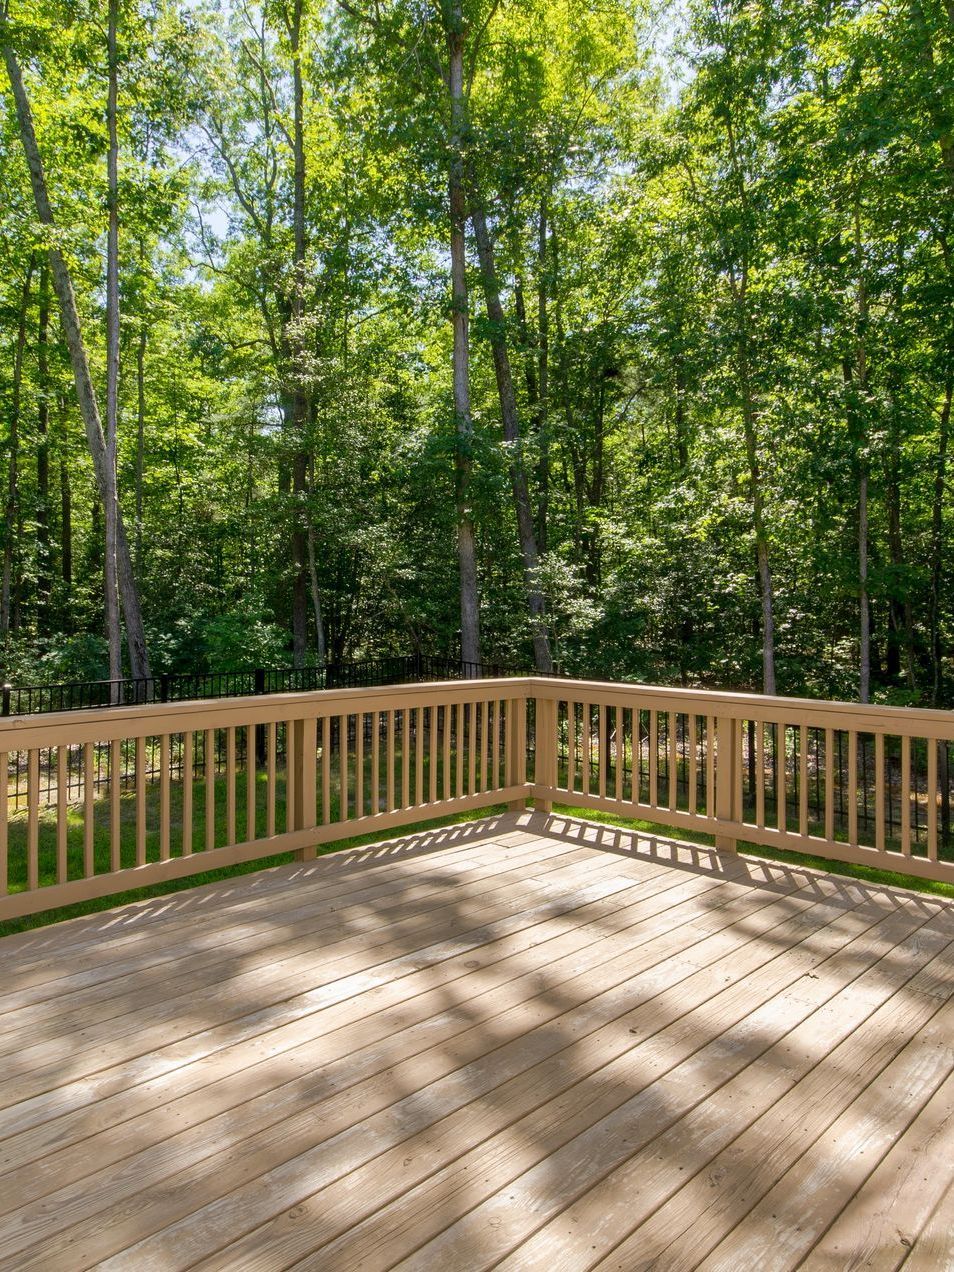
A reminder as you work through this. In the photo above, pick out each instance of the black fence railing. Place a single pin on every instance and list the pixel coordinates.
(187, 687)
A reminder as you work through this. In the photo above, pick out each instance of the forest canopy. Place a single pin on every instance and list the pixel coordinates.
(614, 337)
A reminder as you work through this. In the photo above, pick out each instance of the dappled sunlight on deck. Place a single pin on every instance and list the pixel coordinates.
(526, 1042)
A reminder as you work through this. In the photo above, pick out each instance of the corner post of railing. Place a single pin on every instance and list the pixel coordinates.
(516, 725)
(303, 753)
(5, 701)
(164, 687)
(726, 777)
(545, 751)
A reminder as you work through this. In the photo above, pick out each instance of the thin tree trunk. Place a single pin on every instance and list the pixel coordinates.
(111, 569)
(140, 436)
(543, 382)
(937, 547)
(86, 394)
(463, 463)
(864, 604)
(43, 448)
(293, 23)
(12, 511)
(861, 386)
(66, 540)
(512, 437)
(316, 598)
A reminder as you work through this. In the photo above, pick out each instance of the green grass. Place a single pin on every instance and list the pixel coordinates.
(17, 868)
(867, 874)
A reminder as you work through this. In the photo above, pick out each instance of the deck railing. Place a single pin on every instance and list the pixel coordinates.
(851, 783)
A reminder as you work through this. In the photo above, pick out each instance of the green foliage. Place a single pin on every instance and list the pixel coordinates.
(725, 259)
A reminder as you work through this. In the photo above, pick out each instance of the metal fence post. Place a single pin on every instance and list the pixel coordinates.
(5, 709)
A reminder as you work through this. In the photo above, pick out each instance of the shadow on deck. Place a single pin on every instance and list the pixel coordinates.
(523, 1042)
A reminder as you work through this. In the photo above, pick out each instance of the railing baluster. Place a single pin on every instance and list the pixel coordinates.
(906, 795)
(187, 760)
(692, 793)
(89, 824)
(672, 747)
(586, 741)
(781, 788)
(326, 770)
(570, 745)
(406, 757)
(433, 753)
(375, 763)
(271, 770)
(619, 751)
(459, 747)
(710, 766)
(653, 758)
(62, 790)
(390, 762)
(115, 809)
(932, 793)
(208, 755)
(484, 743)
(472, 748)
(853, 786)
(251, 785)
(165, 779)
(291, 774)
(230, 835)
(803, 780)
(829, 784)
(33, 819)
(758, 768)
(879, 792)
(601, 750)
(359, 764)
(343, 802)
(140, 801)
(496, 751)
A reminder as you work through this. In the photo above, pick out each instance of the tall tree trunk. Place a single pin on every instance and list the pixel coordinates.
(111, 568)
(12, 511)
(543, 382)
(766, 583)
(85, 392)
(140, 436)
(861, 440)
(511, 431)
(316, 599)
(463, 462)
(937, 547)
(864, 604)
(293, 22)
(43, 448)
(66, 541)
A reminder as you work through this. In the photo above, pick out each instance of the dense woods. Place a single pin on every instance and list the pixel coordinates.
(618, 337)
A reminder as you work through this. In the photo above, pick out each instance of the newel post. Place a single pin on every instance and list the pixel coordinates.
(302, 747)
(545, 751)
(727, 775)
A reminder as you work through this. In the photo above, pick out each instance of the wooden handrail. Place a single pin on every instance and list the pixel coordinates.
(194, 785)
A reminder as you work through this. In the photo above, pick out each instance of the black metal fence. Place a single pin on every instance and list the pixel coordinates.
(187, 687)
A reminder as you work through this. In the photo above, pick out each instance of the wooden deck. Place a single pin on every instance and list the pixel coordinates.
(524, 1042)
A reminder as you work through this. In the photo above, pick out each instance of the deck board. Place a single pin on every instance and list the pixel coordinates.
(527, 1042)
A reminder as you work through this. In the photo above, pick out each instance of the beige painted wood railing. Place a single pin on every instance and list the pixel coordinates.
(121, 798)
(184, 792)
(862, 784)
